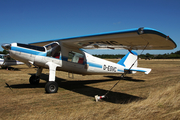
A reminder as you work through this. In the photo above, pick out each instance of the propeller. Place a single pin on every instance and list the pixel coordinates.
(6, 46)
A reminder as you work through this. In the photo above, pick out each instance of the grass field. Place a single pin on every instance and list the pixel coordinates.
(138, 96)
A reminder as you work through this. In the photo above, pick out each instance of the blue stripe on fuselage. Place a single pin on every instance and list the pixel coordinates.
(120, 70)
(94, 65)
(29, 51)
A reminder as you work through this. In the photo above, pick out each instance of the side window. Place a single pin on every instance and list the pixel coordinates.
(53, 50)
(76, 57)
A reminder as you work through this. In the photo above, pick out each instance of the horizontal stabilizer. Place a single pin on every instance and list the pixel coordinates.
(138, 69)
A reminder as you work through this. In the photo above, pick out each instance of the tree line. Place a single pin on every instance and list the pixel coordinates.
(175, 55)
(4, 52)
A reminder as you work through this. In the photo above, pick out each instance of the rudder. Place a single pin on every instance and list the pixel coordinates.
(129, 59)
(130, 62)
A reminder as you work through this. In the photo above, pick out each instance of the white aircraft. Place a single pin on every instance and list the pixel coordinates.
(6, 60)
(66, 54)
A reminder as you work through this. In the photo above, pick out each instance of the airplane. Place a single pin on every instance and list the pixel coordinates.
(6, 61)
(68, 54)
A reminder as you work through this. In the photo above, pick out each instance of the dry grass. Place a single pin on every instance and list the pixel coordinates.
(139, 96)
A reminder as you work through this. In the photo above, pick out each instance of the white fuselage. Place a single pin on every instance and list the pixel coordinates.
(68, 60)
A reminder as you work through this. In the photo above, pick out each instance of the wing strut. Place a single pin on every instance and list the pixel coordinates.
(122, 77)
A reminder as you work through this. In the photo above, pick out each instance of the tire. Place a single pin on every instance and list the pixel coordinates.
(51, 87)
(34, 80)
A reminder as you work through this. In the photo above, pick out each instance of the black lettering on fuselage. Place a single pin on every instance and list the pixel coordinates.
(109, 68)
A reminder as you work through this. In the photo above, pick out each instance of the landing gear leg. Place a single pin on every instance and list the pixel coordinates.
(51, 86)
(34, 79)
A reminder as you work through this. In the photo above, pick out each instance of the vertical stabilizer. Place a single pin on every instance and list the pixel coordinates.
(129, 59)
(130, 62)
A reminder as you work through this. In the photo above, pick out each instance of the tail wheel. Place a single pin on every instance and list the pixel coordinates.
(34, 80)
(51, 87)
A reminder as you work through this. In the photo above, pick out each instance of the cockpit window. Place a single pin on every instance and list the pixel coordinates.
(42, 49)
(53, 50)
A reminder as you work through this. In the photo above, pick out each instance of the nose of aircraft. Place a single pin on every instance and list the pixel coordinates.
(6, 46)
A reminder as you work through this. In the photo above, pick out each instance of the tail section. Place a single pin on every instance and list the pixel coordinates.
(130, 62)
(129, 59)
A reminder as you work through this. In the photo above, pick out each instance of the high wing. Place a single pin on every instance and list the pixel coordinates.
(132, 39)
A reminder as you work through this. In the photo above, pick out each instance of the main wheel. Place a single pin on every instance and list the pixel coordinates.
(34, 80)
(51, 87)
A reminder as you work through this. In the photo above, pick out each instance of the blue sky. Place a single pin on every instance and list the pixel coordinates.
(27, 21)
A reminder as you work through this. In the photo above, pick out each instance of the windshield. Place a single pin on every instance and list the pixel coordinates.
(53, 50)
